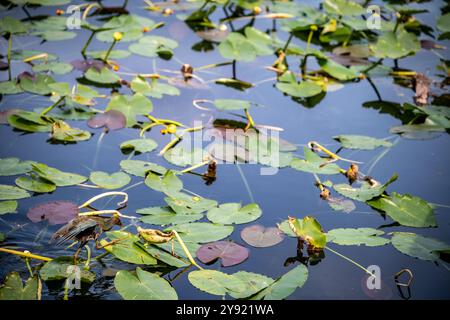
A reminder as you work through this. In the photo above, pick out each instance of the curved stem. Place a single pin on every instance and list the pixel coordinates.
(105, 59)
(47, 110)
(185, 249)
(9, 55)
(107, 194)
(100, 212)
(195, 166)
(89, 40)
(352, 261)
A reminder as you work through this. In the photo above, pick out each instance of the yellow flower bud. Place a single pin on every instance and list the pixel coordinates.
(257, 10)
(145, 29)
(171, 128)
(118, 35)
(167, 11)
(313, 27)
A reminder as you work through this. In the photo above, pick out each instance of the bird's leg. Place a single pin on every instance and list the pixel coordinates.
(75, 257)
(88, 261)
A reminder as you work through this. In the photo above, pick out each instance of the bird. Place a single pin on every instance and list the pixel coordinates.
(82, 229)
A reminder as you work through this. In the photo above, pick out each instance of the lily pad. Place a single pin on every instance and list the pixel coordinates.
(143, 286)
(38, 84)
(231, 104)
(104, 76)
(344, 7)
(337, 70)
(61, 268)
(140, 168)
(12, 193)
(130, 106)
(14, 166)
(55, 67)
(8, 207)
(285, 285)
(288, 84)
(154, 89)
(56, 212)
(366, 192)
(396, 45)
(166, 183)
(138, 145)
(237, 47)
(115, 180)
(361, 142)
(154, 46)
(228, 252)
(112, 120)
(406, 209)
(166, 216)
(202, 232)
(61, 131)
(233, 213)
(314, 163)
(418, 246)
(182, 157)
(254, 283)
(216, 282)
(350, 237)
(13, 288)
(59, 178)
(35, 184)
(183, 203)
(261, 237)
(309, 230)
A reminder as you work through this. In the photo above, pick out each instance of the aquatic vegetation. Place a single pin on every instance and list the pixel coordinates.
(150, 147)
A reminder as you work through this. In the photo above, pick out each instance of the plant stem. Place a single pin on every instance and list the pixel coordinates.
(9, 55)
(170, 144)
(43, 113)
(25, 254)
(365, 71)
(88, 42)
(250, 122)
(27, 261)
(234, 69)
(352, 261)
(88, 261)
(195, 166)
(109, 51)
(185, 249)
(288, 42)
(213, 65)
(310, 35)
(106, 194)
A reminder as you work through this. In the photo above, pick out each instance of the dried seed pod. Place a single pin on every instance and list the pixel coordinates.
(59, 12)
(325, 194)
(155, 236)
(352, 173)
(210, 175)
(167, 11)
(187, 71)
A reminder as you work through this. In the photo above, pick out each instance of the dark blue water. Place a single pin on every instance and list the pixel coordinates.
(422, 166)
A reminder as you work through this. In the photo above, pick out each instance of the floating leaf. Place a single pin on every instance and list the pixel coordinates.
(288, 84)
(62, 268)
(14, 166)
(337, 70)
(314, 163)
(309, 230)
(143, 286)
(254, 283)
(153, 46)
(35, 184)
(234, 83)
(261, 237)
(29, 121)
(396, 45)
(285, 285)
(340, 204)
(131, 27)
(59, 178)
(2, 237)
(366, 192)
(233, 213)
(183, 203)
(10, 87)
(443, 23)
(38, 84)
(154, 89)
(181, 156)
(55, 67)
(104, 75)
(140, 168)
(350, 237)
(165, 216)
(56, 212)
(231, 104)
(417, 131)
(12, 25)
(8, 207)
(418, 246)
(228, 252)
(13, 288)
(406, 209)
(12, 193)
(237, 47)
(202, 232)
(110, 181)
(138, 145)
(216, 282)
(112, 120)
(130, 106)
(166, 183)
(344, 7)
(61, 131)
(361, 142)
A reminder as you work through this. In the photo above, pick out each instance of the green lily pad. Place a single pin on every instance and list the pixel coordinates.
(138, 145)
(2, 237)
(351, 237)
(366, 192)
(396, 45)
(153, 46)
(166, 183)
(140, 168)
(104, 75)
(29, 121)
(154, 88)
(309, 230)
(59, 269)
(35, 184)
(165, 216)
(231, 104)
(254, 283)
(114, 54)
(443, 23)
(55, 67)
(37, 85)
(314, 163)
(61, 131)
(216, 282)
(418, 246)
(12, 25)
(8, 207)
(344, 7)
(127, 250)
(337, 70)
(233, 213)
(12, 193)
(182, 157)
(202, 232)
(182, 203)
(110, 181)
(59, 178)
(13, 288)
(14, 166)
(130, 25)
(352, 141)
(143, 286)
(10, 87)
(406, 209)
(288, 84)
(237, 47)
(285, 285)
(130, 106)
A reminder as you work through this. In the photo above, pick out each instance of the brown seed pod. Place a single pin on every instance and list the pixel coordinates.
(352, 173)
(325, 194)
(187, 71)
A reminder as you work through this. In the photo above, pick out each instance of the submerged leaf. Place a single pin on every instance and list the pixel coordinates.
(112, 120)
(228, 252)
(56, 212)
(261, 237)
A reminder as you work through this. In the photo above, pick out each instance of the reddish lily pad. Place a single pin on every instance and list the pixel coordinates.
(56, 212)
(84, 65)
(112, 119)
(229, 252)
(261, 237)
